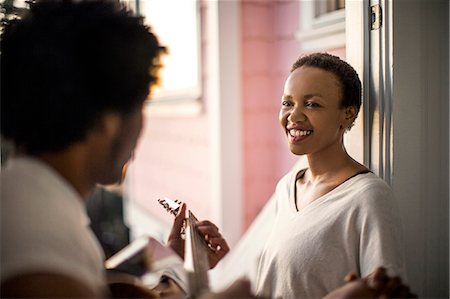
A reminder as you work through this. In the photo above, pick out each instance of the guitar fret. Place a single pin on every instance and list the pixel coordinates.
(196, 249)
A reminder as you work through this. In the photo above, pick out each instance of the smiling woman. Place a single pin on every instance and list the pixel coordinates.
(335, 216)
(313, 110)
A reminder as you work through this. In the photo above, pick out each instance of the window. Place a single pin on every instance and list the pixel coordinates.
(322, 25)
(323, 7)
(177, 26)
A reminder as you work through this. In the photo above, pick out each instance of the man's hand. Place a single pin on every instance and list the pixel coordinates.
(175, 241)
(168, 288)
(388, 287)
(376, 285)
(354, 288)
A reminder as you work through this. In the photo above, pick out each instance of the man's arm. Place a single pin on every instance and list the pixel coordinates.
(46, 285)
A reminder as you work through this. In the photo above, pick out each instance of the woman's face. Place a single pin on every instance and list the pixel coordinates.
(311, 112)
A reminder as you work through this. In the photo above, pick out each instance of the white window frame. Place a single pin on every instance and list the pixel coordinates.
(326, 31)
(170, 99)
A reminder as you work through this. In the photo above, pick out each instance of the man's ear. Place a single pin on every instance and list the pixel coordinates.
(108, 125)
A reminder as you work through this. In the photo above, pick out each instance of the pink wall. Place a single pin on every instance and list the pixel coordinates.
(268, 49)
(170, 161)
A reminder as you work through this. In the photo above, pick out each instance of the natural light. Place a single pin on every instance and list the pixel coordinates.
(176, 24)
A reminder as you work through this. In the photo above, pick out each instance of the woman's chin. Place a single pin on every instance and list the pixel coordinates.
(296, 151)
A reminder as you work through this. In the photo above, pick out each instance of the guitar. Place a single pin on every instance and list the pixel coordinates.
(172, 206)
(196, 250)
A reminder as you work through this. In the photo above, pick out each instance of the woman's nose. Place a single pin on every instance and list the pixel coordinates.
(296, 115)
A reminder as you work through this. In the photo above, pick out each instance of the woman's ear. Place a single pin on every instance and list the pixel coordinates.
(350, 114)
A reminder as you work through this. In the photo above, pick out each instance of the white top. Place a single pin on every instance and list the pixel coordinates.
(44, 226)
(354, 227)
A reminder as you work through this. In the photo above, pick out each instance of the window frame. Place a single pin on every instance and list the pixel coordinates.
(325, 31)
(176, 101)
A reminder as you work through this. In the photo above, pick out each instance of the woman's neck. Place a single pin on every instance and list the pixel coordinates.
(329, 163)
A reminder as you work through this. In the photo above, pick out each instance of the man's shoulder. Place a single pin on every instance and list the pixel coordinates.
(44, 224)
(23, 175)
(28, 183)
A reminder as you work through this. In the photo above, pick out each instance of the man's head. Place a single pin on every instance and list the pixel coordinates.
(346, 75)
(65, 64)
(76, 74)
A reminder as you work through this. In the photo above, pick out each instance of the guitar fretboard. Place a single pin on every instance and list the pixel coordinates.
(196, 250)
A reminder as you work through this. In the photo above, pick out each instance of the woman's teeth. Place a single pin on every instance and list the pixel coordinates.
(298, 133)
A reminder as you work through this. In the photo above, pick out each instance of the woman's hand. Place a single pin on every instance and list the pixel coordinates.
(218, 247)
(216, 243)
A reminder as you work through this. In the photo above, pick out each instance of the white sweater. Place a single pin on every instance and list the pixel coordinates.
(355, 227)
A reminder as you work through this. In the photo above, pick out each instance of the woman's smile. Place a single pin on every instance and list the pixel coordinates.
(297, 136)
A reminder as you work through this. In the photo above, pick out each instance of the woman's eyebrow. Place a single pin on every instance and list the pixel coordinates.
(312, 95)
(286, 97)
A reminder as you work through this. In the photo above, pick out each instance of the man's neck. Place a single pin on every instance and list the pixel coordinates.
(70, 164)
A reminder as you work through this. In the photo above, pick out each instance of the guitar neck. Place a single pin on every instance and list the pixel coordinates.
(195, 258)
(196, 250)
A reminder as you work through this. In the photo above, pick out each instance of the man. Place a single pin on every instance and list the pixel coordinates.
(75, 75)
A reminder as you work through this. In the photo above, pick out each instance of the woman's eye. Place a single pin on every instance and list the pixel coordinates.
(312, 104)
(286, 104)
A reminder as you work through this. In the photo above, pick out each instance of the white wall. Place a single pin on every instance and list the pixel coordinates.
(421, 139)
(420, 96)
(224, 112)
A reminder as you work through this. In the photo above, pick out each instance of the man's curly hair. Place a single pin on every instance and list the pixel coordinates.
(67, 62)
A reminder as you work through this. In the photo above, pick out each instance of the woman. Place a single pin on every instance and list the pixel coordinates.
(335, 216)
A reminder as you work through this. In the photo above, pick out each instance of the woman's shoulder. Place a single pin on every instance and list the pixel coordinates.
(370, 181)
(368, 190)
(289, 178)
